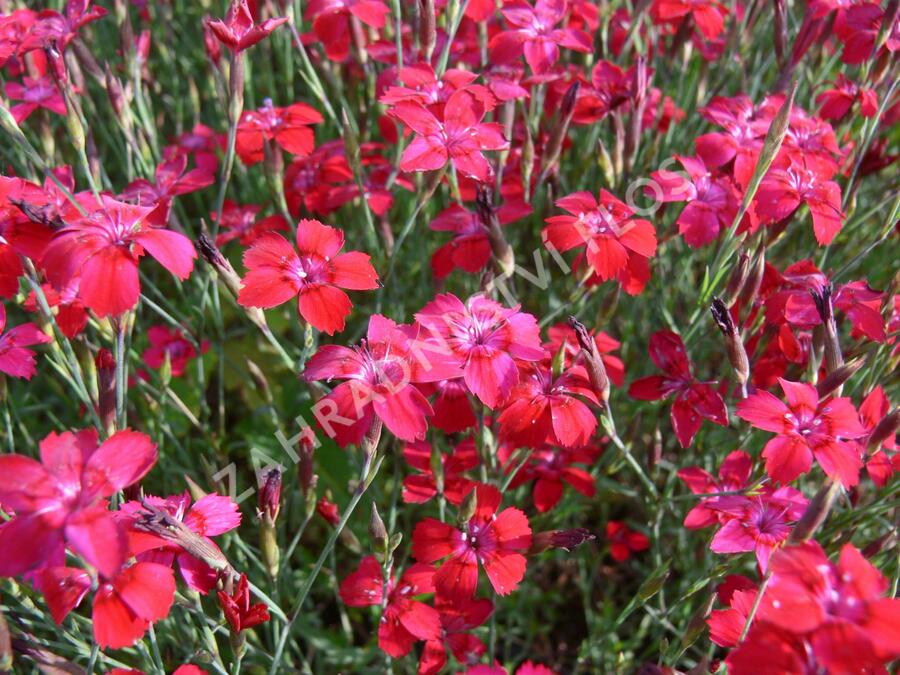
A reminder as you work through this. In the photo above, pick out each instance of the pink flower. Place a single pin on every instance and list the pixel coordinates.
(872, 411)
(623, 541)
(552, 468)
(277, 273)
(734, 473)
(208, 517)
(52, 27)
(404, 620)
(34, 94)
(535, 34)
(546, 409)
(495, 540)
(123, 607)
(288, 127)
(835, 103)
(709, 15)
(421, 486)
(607, 229)
(460, 137)
(238, 31)
(239, 222)
(171, 343)
(806, 427)
(62, 498)
(171, 181)
(694, 400)
(711, 200)
(859, 31)
(727, 625)
(331, 22)
(483, 339)
(380, 373)
(15, 359)
(458, 619)
(102, 249)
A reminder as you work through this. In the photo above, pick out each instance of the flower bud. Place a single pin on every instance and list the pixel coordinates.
(553, 148)
(697, 623)
(428, 27)
(164, 525)
(106, 389)
(835, 380)
(592, 361)
(6, 653)
(564, 539)
(815, 514)
(884, 430)
(437, 468)
(378, 535)
(736, 282)
(229, 277)
(268, 507)
(734, 345)
(467, 508)
(503, 254)
(834, 359)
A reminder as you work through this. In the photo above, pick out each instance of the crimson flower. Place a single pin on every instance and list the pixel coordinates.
(623, 541)
(277, 273)
(171, 343)
(62, 498)
(694, 400)
(785, 188)
(806, 427)
(239, 222)
(124, 606)
(606, 228)
(289, 127)
(611, 87)
(70, 315)
(460, 137)
(483, 339)
(859, 31)
(423, 86)
(331, 21)
(238, 31)
(171, 180)
(734, 473)
(404, 620)
(546, 409)
(495, 540)
(102, 249)
(209, 516)
(34, 93)
(727, 625)
(836, 102)
(712, 200)
(237, 609)
(15, 359)
(824, 617)
(458, 620)
(452, 405)
(52, 27)
(380, 373)
(606, 344)
(534, 34)
(872, 411)
(709, 15)
(552, 468)
(421, 486)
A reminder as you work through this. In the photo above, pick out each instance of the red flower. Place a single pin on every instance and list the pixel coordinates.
(70, 315)
(239, 222)
(734, 472)
(534, 33)
(237, 609)
(420, 487)
(783, 190)
(34, 94)
(172, 343)
(171, 181)
(727, 625)
(53, 28)
(709, 15)
(806, 427)
(460, 137)
(276, 273)
(209, 516)
(836, 102)
(624, 541)
(551, 468)
(837, 613)
(482, 338)
(694, 400)
(380, 371)
(424, 88)
(103, 249)
(288, 127)
(545, 409)
(331, 21)
(607, 229)
(403, 620)
(611, 88)
(606, 344)
(62, 498)
(711, 200)
(124, 606)
(458, 619)
(493, 539)
(872, 411)
(860, 29)
(238, 31)
(15, 359)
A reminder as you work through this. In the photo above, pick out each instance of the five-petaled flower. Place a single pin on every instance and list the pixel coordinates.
(239, 612)
(238, 31)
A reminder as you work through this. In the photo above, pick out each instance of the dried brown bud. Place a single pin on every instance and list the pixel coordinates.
(734, 345)
(163, 524)
(592, 361)
(564, 539)
(834, 359)
(754, 277)
(835, 380)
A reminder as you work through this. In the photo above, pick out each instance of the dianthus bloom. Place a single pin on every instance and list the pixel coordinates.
(613, 238)
(483, 338)
(238, 31)
(288, 127)
(806, 427)
(62, 498)
(694, 400)
(404, 619)
(278, 273)
(623, 541)
(15, 359)
(495, 540)
(240, 613)
(172, 344)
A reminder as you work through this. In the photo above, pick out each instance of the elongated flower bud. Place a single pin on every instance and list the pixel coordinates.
(564, 539)
(834, 359)
(884, 430)
(106, 389)
(815, 514)
(467, 508)
(378, 535)
(553, 148)
(502, 252)
(754, 277)
(734, 345)
(268, 507)
(836, 379)
(428, 35)
(163, 524)
(592, 361)
(736, 282)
